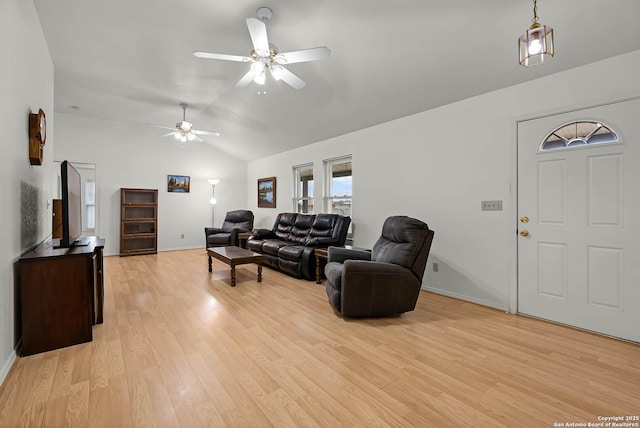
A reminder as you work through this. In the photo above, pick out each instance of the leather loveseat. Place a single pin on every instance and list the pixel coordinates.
(290, 245)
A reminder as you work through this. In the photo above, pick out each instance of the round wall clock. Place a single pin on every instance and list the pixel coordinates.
(37, 137)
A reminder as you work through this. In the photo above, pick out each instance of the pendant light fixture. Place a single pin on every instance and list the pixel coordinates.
(536, 44)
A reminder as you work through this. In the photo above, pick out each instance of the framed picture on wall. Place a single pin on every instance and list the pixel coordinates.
(178, 183)
(267, 192)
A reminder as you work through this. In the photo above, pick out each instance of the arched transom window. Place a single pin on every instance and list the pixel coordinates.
(579, 134)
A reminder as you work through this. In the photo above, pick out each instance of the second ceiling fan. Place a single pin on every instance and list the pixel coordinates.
(184, 130)
(265, 56)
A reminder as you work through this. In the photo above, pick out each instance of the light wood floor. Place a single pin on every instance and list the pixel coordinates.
(180, 348)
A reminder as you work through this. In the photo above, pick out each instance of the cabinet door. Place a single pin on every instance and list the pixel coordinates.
(56, 302)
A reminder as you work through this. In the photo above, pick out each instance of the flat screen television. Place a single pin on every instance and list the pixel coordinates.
(71, 192)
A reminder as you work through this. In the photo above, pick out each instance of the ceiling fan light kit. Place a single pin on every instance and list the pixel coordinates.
(265, 55)
(535, 45)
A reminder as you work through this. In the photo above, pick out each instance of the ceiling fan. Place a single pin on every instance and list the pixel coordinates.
(184, 130)
(265, 56)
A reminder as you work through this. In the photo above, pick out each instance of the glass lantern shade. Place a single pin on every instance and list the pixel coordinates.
(535, 45)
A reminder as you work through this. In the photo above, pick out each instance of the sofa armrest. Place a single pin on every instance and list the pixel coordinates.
(355, 267)
(341, 254)
(263, 234)
(211, 231)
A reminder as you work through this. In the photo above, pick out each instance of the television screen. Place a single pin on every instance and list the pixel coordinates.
(71, 205)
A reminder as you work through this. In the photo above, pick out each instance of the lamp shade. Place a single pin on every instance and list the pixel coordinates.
(259, 78)
(213, 181)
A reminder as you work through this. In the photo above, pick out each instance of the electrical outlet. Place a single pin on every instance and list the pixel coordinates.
(491, 205)
(182, 236)
(436, 267)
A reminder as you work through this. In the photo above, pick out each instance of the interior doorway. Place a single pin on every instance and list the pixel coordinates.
(89, 199)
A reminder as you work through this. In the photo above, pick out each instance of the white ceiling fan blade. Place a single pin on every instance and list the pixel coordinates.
(291, 79)
(224, 57)
(214, 133)
(167, 134)
(305, 55)
(258, 33)
(245, 80)
(196, 138)
(162, 127)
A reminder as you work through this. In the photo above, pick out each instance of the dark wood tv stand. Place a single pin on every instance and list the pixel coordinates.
(61, 295)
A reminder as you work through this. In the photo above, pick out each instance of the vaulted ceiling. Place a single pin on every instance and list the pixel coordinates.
(132, 60)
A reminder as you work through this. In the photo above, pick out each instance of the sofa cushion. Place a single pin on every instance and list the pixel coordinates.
(323, 230)
(291, 252)
(255, 245)
(238, 219)
(284, 225)
(323, 225)
(399, 241)
(272, 246)
(301, 228)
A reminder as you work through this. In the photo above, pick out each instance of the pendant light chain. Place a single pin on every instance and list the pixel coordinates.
(535, 12)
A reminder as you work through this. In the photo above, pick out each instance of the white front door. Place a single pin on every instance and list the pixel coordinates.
(580, 263)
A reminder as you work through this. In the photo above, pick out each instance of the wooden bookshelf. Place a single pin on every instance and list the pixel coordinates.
(138, 221)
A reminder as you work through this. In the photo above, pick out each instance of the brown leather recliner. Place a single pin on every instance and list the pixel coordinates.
(385, 281)
(234, 222)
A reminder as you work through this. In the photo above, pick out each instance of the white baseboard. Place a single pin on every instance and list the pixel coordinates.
(7, 366)
(465, 298)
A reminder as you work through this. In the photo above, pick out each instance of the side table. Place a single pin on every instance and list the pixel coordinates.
(242, 238)
(321, 255)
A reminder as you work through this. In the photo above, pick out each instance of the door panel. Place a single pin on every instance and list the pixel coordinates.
(580, 262)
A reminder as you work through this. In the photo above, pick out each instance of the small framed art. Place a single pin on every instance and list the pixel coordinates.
(178, 183)
(267, 192)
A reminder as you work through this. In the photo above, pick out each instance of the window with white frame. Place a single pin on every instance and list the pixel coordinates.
(90, 205)
(580, 133)
(338, 186)
(303, 192)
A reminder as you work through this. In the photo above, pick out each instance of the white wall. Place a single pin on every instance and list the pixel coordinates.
(131, 155)
(440, 164)
(26, 85)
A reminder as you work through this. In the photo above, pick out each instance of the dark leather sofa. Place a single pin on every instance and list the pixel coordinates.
(290, 245)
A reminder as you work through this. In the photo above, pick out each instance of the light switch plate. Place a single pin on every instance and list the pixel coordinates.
(491, 205)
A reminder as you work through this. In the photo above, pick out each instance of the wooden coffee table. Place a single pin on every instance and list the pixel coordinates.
(234, 256)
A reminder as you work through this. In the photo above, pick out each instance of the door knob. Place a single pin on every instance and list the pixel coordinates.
(524, 232)
(524, 219)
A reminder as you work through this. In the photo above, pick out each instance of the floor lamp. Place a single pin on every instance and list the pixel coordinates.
(212, 201)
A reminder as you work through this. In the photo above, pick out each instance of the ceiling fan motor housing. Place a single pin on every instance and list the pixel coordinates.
(265, 14)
